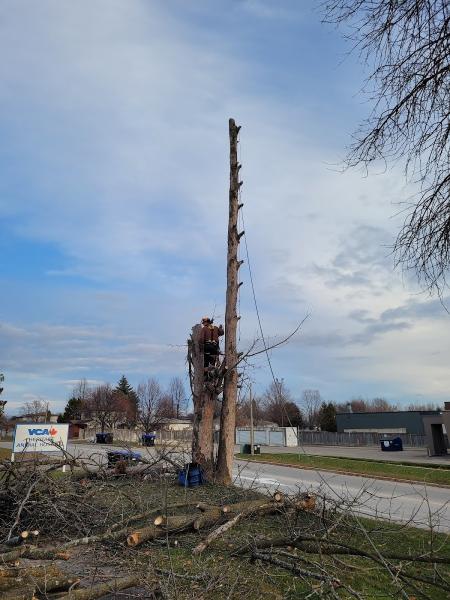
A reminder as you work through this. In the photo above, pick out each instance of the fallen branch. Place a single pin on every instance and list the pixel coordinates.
(101, 589)
(33, 554)
(312, 545)
(296, 570)
(216, 533)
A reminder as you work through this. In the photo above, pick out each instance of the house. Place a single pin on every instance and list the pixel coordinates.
(172, 424)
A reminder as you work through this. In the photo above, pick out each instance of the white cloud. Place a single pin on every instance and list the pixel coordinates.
(117, 125)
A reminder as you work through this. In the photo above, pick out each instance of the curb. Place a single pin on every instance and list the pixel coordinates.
(343, 472)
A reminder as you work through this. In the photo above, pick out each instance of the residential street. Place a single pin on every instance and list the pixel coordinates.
(402, 502)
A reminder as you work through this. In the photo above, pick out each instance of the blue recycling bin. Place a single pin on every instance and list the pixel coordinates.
(191, 476)
(131, 458)
(391, 445)
(104, 438)
(148, 439)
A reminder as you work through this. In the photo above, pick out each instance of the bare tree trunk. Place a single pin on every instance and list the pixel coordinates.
(228, 414)
(203, 399)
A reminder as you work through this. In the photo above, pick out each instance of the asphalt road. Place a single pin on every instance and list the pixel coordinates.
(401, 502)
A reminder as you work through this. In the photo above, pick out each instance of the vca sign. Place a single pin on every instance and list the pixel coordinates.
(52, 431)
(40, 437)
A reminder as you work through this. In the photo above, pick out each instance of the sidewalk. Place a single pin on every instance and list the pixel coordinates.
(414, 455)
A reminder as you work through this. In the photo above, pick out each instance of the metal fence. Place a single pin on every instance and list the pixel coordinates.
(353, 438)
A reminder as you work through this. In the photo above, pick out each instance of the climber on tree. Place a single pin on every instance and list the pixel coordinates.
(210, 343)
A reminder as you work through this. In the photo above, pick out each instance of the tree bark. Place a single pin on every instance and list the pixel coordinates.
(203, 399)
(33, 554)
(217, 533)
(228, 414)
(102, 589)
(152, 532)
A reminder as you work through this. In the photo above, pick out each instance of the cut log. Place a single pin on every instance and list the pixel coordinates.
(305, 502)
(208, 519)
(175, 522)
(39, 586)
(102, 589)
(204, 507)
(278, 496)
(34, 554)
(29, 575)
(252, 506)
(216, 533)
(248, 508)
(108, 535)
(23, 594)
(153, 532)
(9, 571)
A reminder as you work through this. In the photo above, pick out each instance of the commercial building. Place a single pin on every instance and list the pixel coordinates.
(408, 421)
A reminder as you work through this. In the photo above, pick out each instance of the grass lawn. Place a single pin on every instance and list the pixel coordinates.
(425, 474)
(5, 453)
(219, 573)
(63, 508)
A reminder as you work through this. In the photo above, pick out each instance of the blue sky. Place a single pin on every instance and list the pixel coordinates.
(113, 201)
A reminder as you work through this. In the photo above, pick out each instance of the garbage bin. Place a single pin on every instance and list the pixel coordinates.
(191, 476)
(148, 439)
(104, 438)
(391, 445)
(131, 458)
(247, 449)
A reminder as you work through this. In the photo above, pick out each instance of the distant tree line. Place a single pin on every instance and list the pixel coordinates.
(276, 405)
(144, 407)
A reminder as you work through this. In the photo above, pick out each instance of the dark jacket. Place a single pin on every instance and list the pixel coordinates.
(211, 333)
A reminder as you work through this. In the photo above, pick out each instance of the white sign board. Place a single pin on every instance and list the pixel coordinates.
(40, 437)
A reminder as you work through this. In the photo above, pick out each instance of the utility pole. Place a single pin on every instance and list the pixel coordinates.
(252, 431)
(228, 413)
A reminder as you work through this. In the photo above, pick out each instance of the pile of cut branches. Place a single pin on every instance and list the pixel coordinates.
(86, 534)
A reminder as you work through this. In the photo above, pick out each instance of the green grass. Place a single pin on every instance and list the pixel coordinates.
(424, 474)
(218, 573)
(223, 576)
(5, 453)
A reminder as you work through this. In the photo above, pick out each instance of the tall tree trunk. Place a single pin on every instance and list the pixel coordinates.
(228, 414)
(203, 399)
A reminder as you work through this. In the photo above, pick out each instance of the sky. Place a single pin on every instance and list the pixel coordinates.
(114, 190)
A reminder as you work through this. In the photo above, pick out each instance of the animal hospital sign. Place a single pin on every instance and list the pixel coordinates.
(40, 437)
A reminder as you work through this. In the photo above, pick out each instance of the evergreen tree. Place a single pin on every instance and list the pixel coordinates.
(72, 411)
(327, 417)
(123, 386)
(132, 400)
